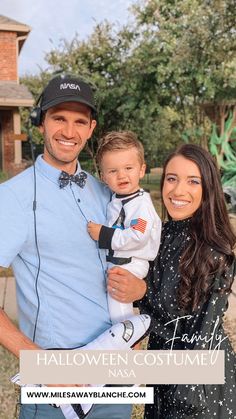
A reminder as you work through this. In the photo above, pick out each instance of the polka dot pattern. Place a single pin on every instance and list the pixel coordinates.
(66, 179)
(187, 401)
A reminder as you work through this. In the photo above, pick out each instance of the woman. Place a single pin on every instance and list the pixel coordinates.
(192, 275)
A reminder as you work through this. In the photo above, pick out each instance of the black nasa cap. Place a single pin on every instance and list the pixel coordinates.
(67, 88)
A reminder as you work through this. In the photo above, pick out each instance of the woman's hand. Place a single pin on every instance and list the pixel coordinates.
(123, 286)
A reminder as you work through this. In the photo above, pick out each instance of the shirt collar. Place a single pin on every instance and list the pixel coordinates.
(50, 172)
(139, 191)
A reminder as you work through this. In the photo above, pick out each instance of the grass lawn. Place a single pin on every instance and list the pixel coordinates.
(8, 367)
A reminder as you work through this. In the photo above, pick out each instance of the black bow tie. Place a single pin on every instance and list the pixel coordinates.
(79, 179)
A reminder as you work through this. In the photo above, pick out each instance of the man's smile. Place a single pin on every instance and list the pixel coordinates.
(66, 143)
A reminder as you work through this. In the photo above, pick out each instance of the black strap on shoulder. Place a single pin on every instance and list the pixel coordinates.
(125, 201)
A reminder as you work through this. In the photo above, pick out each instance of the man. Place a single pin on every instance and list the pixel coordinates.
(59, 272)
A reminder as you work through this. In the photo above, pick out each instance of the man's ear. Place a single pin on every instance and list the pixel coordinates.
(41, 128)
(92, 126)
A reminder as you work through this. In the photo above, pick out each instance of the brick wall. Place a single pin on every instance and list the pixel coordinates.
(8, 145)
(8, 56)
(8, 142)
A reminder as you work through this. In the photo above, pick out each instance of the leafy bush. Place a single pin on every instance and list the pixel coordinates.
(3, 176)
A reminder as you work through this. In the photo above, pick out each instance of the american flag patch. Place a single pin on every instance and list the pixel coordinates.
(138, 224)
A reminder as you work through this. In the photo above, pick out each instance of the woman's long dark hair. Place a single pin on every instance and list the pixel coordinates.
(210, 231)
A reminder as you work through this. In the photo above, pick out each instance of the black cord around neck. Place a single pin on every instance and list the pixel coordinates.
(34, 207)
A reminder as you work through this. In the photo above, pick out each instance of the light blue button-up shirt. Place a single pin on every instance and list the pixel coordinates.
(71, 284)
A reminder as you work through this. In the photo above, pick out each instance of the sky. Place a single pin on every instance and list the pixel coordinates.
(54, 20)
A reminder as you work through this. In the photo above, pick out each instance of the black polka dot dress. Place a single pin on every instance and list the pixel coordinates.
(186, 401)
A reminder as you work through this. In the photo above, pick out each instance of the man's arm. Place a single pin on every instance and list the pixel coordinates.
(14, 230)
(12, 338)
(15, 341)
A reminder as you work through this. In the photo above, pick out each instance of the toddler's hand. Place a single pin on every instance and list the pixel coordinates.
(94, 230)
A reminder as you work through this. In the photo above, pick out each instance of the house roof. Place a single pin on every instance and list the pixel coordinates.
(7, 24)
(13, 94)
(11, 25)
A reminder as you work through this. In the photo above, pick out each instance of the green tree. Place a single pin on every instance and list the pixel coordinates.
(160, 76)
(192, 45)
(127, 94)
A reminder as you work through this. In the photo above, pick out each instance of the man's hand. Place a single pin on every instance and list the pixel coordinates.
(123, 286)
(94, 230)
